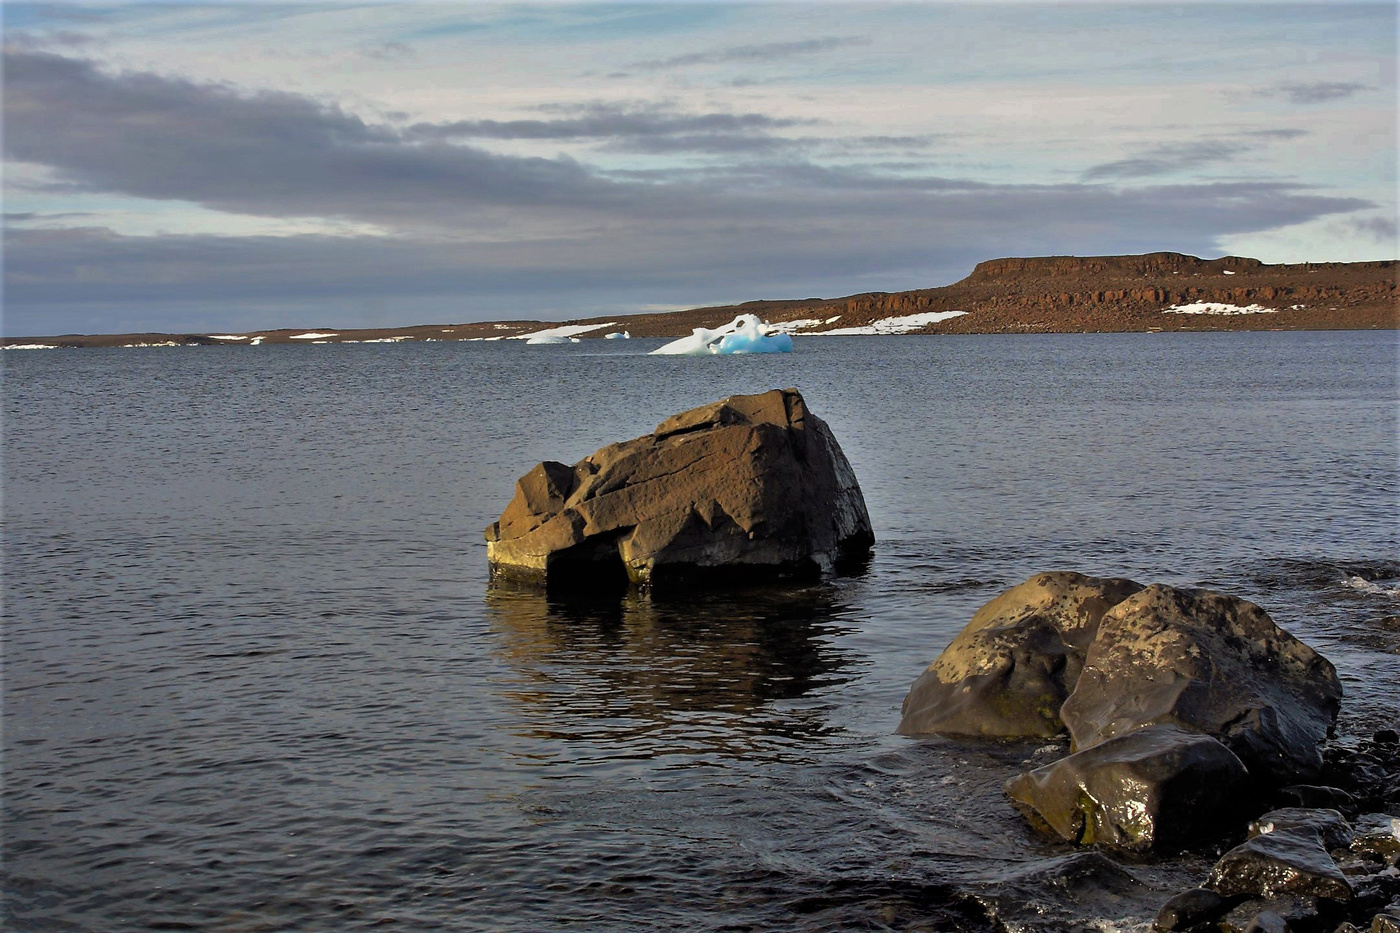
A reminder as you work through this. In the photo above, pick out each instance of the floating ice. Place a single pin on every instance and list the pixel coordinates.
(29, 346)
(893, 325)
(551, 338)
(625, 335)
(1215, 307)
(564, 330)
(257, 341)
(745, 334)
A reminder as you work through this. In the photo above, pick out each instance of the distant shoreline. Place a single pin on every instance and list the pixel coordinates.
(1155, 292)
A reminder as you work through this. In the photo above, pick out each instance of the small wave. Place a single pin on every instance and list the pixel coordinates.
(1373, 588)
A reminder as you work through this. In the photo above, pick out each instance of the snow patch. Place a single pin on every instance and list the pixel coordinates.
(313, 335)
(1227, 272)
(893, 325)
(787, 327)
(29, 346)
(550, 339)
(228, 336)
(1214, 307)
(566, 330)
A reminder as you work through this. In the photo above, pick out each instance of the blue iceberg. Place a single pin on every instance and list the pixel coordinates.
(745, 334)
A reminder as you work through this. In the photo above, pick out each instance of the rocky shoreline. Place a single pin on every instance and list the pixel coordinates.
(1198, 727)
(1057, 294)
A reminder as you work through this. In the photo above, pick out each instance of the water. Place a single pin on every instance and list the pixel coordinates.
(255, 679)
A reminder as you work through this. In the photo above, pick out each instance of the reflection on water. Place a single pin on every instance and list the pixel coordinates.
(644, 675)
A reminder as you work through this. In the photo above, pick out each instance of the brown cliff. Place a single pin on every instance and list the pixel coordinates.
(1051, 294)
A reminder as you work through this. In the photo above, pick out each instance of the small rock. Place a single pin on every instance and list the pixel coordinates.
(1161, 787)
(1266, 921)
(1280, 863)
(1313, 796)
(1291, 914)
(1378, 834)
(1331, 828)
(1386, 737)
(1188, 909)
(1385, 923)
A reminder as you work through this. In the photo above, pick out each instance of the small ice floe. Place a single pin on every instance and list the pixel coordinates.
(893, 325)
(563, 330)
(1215, 307)
(1372, 588)
(313, 335)
(745, 334)
(29, 346)
(625, 335)
(550, 339)
(381, 339)
(257, 341)
(162, 343)
(228, 336)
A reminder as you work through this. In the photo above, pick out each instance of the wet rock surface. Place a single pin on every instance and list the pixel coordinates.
(1287, 861)
(1160, 788)
(1212, 663)
(753, 487)
(1009, 670)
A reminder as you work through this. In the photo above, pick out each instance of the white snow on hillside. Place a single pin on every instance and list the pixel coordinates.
(566, 330)
(892, 325)
(1213, 307)
(310, 336)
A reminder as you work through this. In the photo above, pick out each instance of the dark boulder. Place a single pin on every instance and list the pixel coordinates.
(1280, 915)
(752, 487)
(1287, 862)
(1377, 834)
(1190, 909)
(1210, 663)
(1159, 788)
(1331, 827)
(1009, 670)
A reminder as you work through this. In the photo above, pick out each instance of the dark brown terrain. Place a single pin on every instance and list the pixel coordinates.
(1055, 294)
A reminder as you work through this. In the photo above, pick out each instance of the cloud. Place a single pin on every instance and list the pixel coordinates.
(610, 121)
(494, 233)
(750, 54)
(1318, 92)
(1167, 158)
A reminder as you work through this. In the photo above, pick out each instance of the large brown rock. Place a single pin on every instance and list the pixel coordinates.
(753, 486)
(1212, 663)
(1159, 788)
(1010, 668)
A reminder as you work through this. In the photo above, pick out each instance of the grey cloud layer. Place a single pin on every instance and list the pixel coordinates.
(750, 54)
(1167, 158)
(486, 231)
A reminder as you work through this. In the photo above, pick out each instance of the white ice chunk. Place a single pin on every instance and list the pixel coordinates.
(745, 334)
(29, 346)
(564, 330)
(625, 335)
(313, 335)
(893, 325)
(1213, 307)
(257, 340)
(550, 339)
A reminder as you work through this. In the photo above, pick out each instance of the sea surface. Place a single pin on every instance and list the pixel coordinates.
(255, 679)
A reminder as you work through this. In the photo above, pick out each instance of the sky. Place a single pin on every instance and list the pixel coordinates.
(227, 167)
